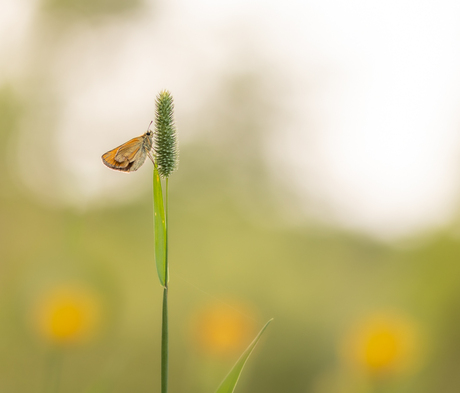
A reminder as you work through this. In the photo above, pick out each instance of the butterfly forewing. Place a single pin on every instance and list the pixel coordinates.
(128, 157)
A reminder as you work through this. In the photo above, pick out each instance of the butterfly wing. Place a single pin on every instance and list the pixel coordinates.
(128, 157)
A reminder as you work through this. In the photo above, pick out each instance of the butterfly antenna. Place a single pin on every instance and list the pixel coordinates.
(148, 128)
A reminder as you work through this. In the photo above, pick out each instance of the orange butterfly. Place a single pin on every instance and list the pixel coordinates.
(130, 156)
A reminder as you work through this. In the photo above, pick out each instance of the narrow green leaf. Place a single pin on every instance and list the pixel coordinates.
(230, 381)
(160, 228)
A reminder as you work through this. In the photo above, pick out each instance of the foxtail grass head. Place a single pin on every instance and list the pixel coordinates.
(165, 137)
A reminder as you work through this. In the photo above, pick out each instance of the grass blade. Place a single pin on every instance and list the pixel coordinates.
(230, 381)
(160, 228)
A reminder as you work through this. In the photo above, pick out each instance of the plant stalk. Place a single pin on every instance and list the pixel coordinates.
(167, 231)
(164, 344)
(164, 327)
(54, 371)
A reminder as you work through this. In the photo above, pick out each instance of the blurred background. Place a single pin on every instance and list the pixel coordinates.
(318, 184)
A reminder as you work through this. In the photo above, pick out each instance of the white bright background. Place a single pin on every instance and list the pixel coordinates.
(371, 89)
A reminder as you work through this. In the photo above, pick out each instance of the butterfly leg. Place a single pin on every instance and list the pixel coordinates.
(151, 158)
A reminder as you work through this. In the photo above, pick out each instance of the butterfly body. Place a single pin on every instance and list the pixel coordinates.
(130, 156)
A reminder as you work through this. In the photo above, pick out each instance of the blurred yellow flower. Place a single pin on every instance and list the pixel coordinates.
(67, 314)
(222, 330)
(382, 344)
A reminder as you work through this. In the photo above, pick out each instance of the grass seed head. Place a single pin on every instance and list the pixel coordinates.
(165, 136)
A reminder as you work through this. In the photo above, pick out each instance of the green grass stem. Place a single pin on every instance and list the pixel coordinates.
(164, 327)
(160, 228)
(166, 231)
(164, 344)
(166, 154)
(160, 218)
(53, 378)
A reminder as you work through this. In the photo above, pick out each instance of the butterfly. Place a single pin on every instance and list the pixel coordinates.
(130, 156)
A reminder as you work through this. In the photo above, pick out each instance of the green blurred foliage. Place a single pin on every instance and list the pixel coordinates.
(314, 281)
(228, 240)
(91, 8)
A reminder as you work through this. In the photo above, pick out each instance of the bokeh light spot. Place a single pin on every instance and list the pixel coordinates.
(67, 314)
(382, 344)
(221, 329)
